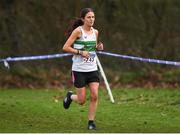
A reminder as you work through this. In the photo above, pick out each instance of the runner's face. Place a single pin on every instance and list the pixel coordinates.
(89, 19)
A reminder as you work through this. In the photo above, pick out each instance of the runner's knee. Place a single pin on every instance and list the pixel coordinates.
(94, 97)
(81, 100)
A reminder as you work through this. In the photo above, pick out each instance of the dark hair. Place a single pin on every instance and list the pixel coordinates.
(77, 21)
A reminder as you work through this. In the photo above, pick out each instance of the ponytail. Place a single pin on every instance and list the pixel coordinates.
(77, 21)
(73, 25)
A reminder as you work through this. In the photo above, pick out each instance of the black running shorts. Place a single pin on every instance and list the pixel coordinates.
(81, 79)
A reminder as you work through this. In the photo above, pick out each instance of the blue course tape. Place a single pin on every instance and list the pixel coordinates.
(142, 59)
(35, 57)
(9, 59)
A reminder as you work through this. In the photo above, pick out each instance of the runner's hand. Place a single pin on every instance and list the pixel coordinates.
(100, 46)
(85, 54)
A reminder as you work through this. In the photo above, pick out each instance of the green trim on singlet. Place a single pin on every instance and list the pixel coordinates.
(85, 42)
(89, 48)
(88, 45)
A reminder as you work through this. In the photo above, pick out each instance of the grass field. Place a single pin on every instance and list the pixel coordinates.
(135, 110)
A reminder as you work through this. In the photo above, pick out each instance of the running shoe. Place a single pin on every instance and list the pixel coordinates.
(67, 100)
(91, 126)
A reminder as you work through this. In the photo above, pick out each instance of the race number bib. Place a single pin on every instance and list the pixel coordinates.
(90, 59)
